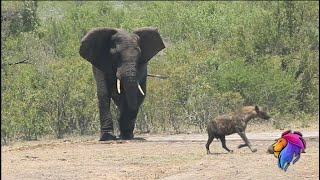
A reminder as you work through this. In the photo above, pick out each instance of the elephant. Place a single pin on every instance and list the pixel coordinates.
(119, 62)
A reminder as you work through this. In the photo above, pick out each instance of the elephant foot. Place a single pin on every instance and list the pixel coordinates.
(107, 136)
(126, 136)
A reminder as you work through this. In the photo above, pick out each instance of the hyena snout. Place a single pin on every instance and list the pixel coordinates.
(263, 115)
(260, 113)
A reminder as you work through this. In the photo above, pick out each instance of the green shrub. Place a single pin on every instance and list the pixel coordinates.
(219, 56)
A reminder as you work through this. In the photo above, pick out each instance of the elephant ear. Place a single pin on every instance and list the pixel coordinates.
(95, 47)
(150, 42)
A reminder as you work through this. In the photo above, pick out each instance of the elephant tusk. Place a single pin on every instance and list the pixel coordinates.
(118, 86)
(140, 89)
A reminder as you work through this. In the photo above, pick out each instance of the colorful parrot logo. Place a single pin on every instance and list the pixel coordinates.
(288, 146)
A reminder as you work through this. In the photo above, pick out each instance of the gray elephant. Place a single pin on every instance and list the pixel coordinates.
(119, 60)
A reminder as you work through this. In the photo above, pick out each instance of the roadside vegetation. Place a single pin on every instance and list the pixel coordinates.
(219, 56)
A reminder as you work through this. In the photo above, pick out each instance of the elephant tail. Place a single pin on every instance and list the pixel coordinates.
(157, 76)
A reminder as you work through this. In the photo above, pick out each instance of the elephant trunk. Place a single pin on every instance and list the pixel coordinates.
(127, 75)
(130, 88)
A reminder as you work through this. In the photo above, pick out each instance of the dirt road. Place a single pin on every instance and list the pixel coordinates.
(169, 157)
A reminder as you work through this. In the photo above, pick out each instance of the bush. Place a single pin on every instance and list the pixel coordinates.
(219, 56)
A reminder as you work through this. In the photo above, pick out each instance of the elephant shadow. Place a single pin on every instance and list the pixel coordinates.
(138, 139)
(122, 141)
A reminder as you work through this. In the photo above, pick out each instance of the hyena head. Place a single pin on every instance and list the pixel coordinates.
(254, 112)
(261, 113)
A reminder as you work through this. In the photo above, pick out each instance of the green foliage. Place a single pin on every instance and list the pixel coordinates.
(260, 83)
(219, 56)
(21, 104)
(70, 95)
(21, 15)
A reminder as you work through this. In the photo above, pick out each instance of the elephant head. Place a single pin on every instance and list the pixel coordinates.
(123, 56)
(108, 48)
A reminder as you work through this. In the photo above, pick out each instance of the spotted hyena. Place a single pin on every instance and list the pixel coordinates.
(235, 122)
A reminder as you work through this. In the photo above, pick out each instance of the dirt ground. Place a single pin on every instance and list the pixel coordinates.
(169, 157)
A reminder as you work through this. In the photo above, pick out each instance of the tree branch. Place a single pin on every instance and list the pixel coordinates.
(20, 62)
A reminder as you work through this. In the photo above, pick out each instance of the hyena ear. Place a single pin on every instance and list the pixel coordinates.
(256, 108)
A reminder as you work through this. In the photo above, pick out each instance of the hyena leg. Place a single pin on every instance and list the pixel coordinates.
(223, 142)
(245, 139)
(210, 139)
(242, 145)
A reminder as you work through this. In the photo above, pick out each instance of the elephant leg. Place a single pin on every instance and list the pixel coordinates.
(128, 114)
(127, 121)
(106, 124)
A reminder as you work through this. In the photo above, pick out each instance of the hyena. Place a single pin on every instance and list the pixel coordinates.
(235, 122)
